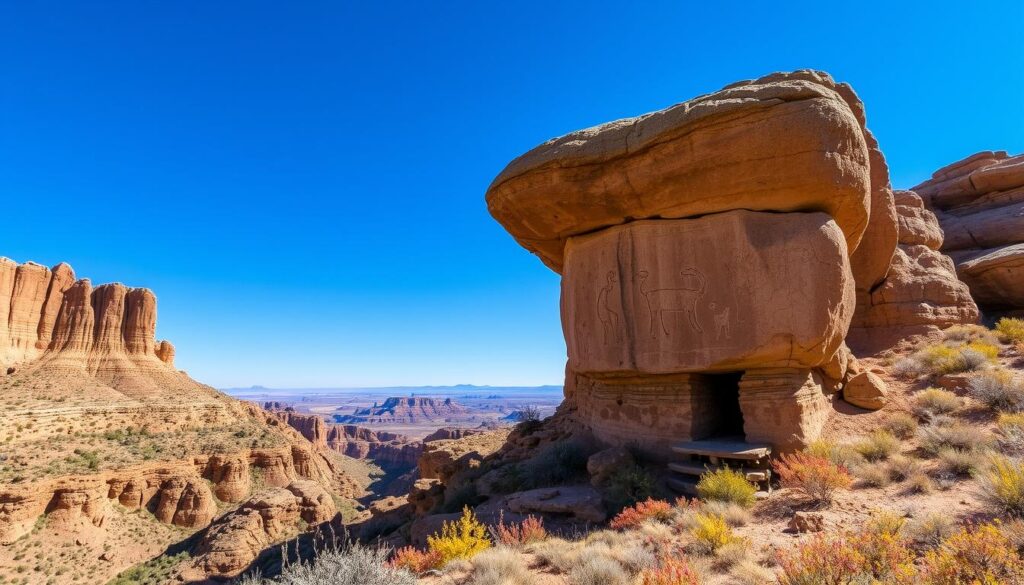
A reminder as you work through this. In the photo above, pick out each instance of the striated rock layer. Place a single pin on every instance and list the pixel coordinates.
(921, 293)
(384, 448)
(979, 202)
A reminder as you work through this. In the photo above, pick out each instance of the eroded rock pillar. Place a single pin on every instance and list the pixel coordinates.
(784, 407)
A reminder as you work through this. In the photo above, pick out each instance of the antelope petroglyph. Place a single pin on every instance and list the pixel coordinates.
(682, 299)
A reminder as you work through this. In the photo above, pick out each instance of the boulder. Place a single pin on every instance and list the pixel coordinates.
(865, 390)
(603, 464)
(781, 143)
(582, 503)
(804, 522)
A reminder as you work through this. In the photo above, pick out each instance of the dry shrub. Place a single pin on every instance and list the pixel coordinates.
(500, 566)
(672, 571)
(1011, 432)
(942, 434)
(461, 539)
(935, 401)
(731, 554)
(841, 454)
(901, 468)
(975, 554)
(901, 425)
(656, 534)
(530, 530)
(727, 485)
(868, 556)
(931, 529)
(959, 462)
(998, 389)
(947, 358)
(920, 483)
(749, 572)
(1002, 485)
(559, 554)
(598, 570)
(1011, 329)
(415, 560)
(873, 474)
(734, 514)
(815, 476)
(968, 333)
(352, 565)
(710, 533)
(649, 509)
(877, 446)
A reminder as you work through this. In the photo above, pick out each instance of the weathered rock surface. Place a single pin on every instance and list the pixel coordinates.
(979, 202)
(384, 448)
(45, 312)
(921, 292)
(783, 143)
(724, 292)
(582, 503)
(237, 538)
(603, 464)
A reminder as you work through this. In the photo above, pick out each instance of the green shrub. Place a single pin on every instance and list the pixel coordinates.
(627, 486)
(935, 401)
(727, 485)
(877, 446)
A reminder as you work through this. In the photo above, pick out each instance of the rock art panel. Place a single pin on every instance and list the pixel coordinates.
(724, 292)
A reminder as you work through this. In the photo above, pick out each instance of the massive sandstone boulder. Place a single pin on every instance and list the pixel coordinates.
(712, 257)
(979, 202)
(782, 143)
(920, 294)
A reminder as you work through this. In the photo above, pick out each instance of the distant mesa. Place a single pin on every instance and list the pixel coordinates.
(406, 410)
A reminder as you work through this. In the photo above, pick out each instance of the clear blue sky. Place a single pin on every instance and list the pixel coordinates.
(302, 183)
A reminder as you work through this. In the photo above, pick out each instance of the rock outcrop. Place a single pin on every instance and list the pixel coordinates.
(712, 255)
(237, 538)
(920, 294)
(47, 313)
(390, 450)
(979, 202)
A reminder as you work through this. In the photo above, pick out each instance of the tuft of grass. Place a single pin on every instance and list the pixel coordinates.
(1002, 485)
(998, 389)
(353, 565)
(931, 402)
(734, 514)
(878, 446)
(671, 571)
(930, 529)
(726, 485)
(500, 566)
(598, 570)
(943, 434)
(920, 483)
(959, 462)
(873, 474)
(901, 425)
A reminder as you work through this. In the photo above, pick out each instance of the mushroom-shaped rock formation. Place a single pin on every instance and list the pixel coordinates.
(979, 202)
(711, 257)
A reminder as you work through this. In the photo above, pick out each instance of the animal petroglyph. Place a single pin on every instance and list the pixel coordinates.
(609, 318)
(722, 324)
(682, 299)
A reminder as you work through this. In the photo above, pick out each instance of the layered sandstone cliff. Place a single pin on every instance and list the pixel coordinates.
(96, 423)
(406, 410)
(979, 202)
(390, 450)
(47, 311)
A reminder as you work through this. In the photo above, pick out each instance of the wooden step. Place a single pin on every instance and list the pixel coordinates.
(725, 449)
(696, 468)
